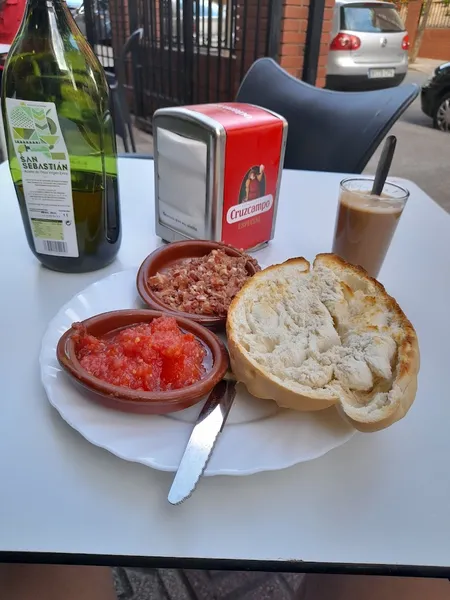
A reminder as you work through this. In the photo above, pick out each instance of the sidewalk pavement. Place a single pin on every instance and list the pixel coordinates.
(143, 141)
(425, 65)
(171, 584)
(174, 584)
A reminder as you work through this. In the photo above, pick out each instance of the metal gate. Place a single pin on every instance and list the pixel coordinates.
(94, 20)
(191, 51)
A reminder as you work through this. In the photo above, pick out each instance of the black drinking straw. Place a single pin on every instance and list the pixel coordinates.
(384, 165)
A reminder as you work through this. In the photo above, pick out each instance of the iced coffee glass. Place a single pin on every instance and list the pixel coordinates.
(365, 224)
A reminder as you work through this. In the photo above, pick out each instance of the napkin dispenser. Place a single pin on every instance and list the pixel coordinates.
(217, 173)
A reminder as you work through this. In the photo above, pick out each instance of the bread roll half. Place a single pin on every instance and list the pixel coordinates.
(311, 338)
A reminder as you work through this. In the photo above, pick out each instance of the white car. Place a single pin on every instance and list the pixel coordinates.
(369, 47)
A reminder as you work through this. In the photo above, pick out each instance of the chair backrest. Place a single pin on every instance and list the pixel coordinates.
(131, 43)
(120, 112)
(327, 130)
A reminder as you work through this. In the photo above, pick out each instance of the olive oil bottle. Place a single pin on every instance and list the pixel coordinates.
(61, 143)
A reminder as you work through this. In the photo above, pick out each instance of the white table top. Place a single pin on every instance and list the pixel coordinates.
(381, 499)
(4, 48)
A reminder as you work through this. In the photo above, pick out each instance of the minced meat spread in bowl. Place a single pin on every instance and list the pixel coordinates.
(205, 285)
(196, 279)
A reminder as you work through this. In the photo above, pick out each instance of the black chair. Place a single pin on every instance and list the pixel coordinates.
(118, 100)
(328, 131)
(118, 107)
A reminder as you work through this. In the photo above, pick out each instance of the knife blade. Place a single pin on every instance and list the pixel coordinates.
(200, 446)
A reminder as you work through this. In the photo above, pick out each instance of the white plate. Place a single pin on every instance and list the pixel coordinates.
(381, 73)
(258, 436)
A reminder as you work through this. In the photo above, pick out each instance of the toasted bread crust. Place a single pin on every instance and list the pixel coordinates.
(370, 417)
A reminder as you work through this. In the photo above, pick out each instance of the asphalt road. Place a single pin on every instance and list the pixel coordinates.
(423, 154)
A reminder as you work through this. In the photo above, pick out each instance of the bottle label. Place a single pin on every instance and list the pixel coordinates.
(44, 161)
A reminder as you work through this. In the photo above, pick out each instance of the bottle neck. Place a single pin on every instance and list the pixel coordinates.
(44, 16)
(45, 6)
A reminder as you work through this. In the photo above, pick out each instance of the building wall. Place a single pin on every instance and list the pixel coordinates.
(436, 44)
(435, 41)
(293, 37)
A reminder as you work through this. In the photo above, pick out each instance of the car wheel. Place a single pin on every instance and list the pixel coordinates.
(441, 119)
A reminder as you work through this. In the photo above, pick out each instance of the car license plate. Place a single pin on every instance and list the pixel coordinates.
(381, 73)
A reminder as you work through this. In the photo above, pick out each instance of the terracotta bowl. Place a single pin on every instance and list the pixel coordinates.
(135, 401)
(168, 255)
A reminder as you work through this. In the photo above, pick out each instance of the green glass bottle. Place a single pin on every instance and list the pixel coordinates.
(61, 143)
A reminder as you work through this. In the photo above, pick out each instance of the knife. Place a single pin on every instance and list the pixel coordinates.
(200, 446)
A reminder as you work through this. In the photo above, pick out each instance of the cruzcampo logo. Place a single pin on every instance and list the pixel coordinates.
(34, 130)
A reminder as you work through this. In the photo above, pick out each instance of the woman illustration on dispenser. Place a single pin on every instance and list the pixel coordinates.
(253, 183)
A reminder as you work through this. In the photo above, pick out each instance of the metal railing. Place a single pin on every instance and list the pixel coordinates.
(94, 20)
(191, 51)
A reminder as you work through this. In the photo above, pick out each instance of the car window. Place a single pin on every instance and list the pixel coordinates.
(371, 18)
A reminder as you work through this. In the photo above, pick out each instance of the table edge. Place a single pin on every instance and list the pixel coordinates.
(221, 564)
